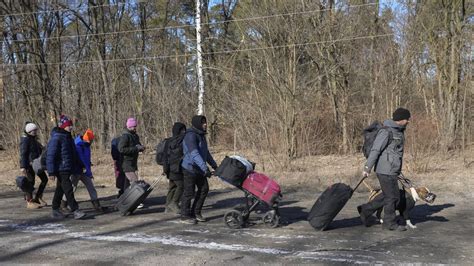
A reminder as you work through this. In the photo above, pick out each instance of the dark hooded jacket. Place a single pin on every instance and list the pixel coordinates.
(195, 149)
(128, 149)
(61, 153)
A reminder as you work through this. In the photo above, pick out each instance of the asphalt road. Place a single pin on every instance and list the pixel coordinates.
(444, 234)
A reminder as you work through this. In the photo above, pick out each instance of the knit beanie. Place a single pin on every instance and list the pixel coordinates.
(401, 114)
(131, 122)
(30, 127)
(64, 122)
(88, 136)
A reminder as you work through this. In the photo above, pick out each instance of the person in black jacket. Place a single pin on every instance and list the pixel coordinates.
(31, 149)
(62, 163)
(172, 168)
(129, 147)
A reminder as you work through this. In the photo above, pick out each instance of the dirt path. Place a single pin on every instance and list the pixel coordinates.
(444, 234)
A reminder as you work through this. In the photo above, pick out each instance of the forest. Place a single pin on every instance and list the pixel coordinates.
(294, 78)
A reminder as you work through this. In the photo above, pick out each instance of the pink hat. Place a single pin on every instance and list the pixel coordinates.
(131, 122)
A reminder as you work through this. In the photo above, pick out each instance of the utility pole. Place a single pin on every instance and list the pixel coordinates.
(199, 59)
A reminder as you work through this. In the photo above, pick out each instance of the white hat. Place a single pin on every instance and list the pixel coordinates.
(30, 127)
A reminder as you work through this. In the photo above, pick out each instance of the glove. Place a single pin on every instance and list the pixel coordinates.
(366, 171)
(140, 147)
(208, 174)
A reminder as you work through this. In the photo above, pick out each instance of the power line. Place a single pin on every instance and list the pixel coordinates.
(58, 10)
(185, 26)
(208, 53)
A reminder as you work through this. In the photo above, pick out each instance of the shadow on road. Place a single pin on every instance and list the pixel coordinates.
(423, 213)
(419, 214)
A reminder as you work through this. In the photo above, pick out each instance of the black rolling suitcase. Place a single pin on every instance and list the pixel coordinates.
(133, 196)
(329, 204)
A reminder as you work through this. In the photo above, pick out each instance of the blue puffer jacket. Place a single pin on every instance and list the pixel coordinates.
(83, 150)
(61, 154)
(196, 152)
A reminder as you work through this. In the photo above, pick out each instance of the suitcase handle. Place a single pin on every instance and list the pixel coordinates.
(358, 184)
(155, 182)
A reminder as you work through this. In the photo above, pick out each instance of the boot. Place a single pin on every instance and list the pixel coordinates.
(97, 206)
(41, 202)
(63, 207)
(32, 205)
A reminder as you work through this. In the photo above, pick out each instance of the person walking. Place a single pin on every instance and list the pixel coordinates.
(195, 170)
(172, 168)
(62, 163)
(30, 150)
(83, 149)
(386, 155)
(130, 147)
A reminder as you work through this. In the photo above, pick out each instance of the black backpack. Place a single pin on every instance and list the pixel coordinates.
(370, 133)
(161, 153)
(174, 154)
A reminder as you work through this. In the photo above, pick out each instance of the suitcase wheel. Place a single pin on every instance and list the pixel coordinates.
(233, 219)
(271, 219)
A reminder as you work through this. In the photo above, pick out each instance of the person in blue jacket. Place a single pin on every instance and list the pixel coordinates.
(195, 170)
(62, 163)
(83, 149)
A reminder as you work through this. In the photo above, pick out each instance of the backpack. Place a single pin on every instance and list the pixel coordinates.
(370, 133)
(174, 154)
(114, 149)
(161, 153)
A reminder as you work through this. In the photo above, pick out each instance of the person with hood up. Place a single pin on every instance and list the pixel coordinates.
(83, 149)
(386, 155)
(172, 168)
(130, 147)
(195, 170)
(31, 149)
(62, 163)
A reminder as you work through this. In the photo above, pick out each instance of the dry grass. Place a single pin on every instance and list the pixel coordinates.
(442, 172)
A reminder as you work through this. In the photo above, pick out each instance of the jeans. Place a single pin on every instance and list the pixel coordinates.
(87, 181)
(191, 182)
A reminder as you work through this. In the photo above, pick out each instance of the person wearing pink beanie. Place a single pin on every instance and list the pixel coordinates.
(129, 147)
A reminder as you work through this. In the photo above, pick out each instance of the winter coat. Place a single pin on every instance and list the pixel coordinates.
(30, 149)
(83, 150)
(61, 155)
(387, 151)
(196, 152)
(129, 151)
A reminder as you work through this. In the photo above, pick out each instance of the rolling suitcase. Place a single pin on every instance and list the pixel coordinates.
(133, 196)
(329, 204)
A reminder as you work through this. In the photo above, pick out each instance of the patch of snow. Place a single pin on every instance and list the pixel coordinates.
(41, 229)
